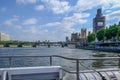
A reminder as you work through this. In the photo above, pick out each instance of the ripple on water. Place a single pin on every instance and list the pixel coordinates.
(74, 53)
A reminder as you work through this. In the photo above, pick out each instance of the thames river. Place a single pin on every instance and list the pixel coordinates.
(67, 52)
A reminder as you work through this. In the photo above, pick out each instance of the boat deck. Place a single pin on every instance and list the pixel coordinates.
(99, 74)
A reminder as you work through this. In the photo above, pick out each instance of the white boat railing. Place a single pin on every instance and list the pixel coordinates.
(77, 60)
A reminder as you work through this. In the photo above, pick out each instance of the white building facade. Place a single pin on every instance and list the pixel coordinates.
(4, 37)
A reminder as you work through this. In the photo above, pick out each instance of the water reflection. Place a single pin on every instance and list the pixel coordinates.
(104, 63)
(98, 63)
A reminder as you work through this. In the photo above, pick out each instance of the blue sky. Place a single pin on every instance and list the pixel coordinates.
(31, 20)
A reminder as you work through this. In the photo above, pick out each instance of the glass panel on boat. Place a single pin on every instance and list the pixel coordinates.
(0, 78)
(38, 76)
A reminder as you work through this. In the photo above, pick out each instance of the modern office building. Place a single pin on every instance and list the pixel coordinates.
(99, 21)
(4, 37)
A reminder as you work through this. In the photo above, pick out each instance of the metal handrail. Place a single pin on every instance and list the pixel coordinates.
(96, 58)
(74, 59)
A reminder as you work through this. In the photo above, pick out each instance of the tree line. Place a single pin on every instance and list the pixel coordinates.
(109, 33)
(13, 42)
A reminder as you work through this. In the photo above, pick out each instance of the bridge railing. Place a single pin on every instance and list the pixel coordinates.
(77, 60)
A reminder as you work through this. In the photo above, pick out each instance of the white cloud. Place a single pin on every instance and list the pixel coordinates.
(111, 7)
(110, 4)
(108, 11)
(57, 6)
(26, 1)
(35, 33)
(31, 30)
(15, 16)
(39, 7)
(68, 23)
(3, 9)
(83, 5)
(45, 31)
(77, 18)
(66, 26)
(30, 21)
(117, 5)
(10, 22)
(18, 26)
(52, 24)
(113, 15)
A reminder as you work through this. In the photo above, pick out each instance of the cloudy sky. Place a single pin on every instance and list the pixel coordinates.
(32, 20)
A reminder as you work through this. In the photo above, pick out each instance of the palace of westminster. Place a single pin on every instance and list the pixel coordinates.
(98, 22)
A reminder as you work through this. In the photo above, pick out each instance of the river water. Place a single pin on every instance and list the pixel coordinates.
(66, 64)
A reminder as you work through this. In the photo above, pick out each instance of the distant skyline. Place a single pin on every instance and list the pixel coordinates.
(31, 20)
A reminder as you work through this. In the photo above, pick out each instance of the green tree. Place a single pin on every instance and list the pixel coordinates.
(113, 30)
(91, 37)
(107, 34)
(101, 34)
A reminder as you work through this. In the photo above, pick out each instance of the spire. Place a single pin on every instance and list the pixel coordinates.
(99, 12)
